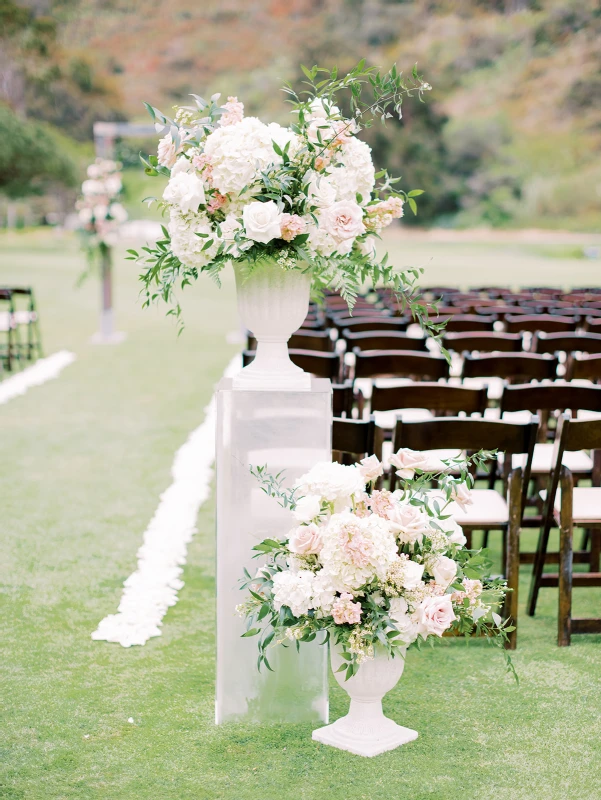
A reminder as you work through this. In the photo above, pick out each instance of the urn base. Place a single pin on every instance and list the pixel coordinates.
(364, 740)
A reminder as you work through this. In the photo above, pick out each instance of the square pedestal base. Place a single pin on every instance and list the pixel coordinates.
(366, 742)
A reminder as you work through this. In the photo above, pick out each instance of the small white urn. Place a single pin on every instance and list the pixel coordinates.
(272, 303)
(365, 731)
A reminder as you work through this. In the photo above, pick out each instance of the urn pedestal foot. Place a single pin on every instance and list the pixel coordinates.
(364, 738)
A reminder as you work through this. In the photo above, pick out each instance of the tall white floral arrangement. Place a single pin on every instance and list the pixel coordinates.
(306, 195)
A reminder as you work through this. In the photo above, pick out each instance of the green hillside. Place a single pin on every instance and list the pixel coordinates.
(510, 136)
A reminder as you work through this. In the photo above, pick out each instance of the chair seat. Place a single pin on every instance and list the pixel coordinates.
(487, 509)
(5, 322)
(25, 317)
(387, 419)
(494, 386)
(588, 415)
(508, 416)
(586, 508)
(578, 462)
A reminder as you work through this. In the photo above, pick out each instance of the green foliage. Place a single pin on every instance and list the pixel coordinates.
(32, 157)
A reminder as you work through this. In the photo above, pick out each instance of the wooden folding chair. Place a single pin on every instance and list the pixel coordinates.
(489, 511)
(354, 439)
(9, 350)
(572, 506)
(343, 399)
(586, 368)
(27, 317)
(423, 399)
(382, 340)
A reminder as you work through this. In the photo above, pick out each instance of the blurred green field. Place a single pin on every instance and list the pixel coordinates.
(85, 459)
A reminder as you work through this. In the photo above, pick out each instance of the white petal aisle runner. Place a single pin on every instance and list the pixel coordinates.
(153, 587)
(44, 369)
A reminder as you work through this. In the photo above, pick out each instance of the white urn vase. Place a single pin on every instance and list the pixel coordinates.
(365, 731)
(272, 303)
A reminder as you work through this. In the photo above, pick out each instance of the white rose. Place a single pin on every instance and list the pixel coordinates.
(343, 220)
(186, 191)
(454, 531)
(370, 468)
(307, 508)
(444, 571)
(407, 461)
(262, 221)
(461, 495)
(166, 152)
(435, 615)
(85, 215)
(305, 540)
(412, 575)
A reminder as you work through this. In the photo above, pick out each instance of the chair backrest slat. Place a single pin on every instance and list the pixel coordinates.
(382, 340)
(437, 397)
(483, 341)
(399, 364)
(514, 367)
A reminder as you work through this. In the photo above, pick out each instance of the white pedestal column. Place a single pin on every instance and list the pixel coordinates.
(288, 430)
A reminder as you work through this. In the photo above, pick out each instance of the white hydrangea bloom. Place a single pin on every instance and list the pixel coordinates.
(184, 242)
(332, 483)
(324, 593)
(356, 550)
(407, 626)
(237, 153)
(293, 589)
(356, 175)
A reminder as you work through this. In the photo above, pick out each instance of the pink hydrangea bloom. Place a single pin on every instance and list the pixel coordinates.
(234, 113)
(357, 547)
(344, 610)
(202, 164)
(292, 226)
(381, 503)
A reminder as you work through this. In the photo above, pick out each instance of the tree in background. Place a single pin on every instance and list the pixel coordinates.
(41, 78)
(32, 157)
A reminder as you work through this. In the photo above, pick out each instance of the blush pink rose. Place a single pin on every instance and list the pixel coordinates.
(305, 540)
(435, 615)
(343, 220)
(461, 495)
(292, 226)
(370, 468)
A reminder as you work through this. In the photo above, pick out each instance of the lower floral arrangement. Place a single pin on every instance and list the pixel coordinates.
(374, 573)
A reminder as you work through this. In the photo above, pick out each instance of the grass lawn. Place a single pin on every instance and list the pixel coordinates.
(85, 458)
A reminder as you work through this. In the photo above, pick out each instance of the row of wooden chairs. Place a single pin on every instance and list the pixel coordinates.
(17, 312)
(415, 365)
(491, 511)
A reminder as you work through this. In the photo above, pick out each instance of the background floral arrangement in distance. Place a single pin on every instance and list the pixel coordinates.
(99, 210)
(373, 568)
(306, 195)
